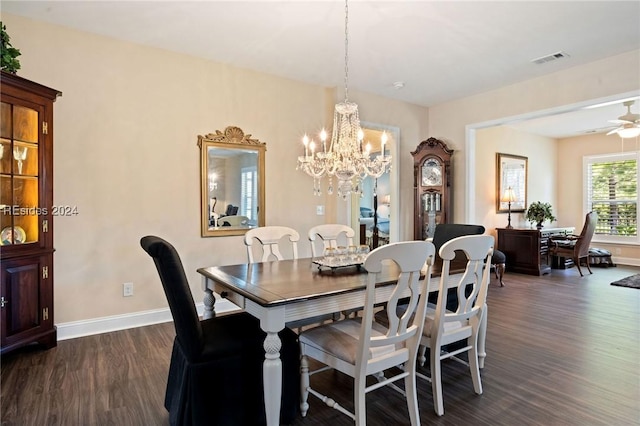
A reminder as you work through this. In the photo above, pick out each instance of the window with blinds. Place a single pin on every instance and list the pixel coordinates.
(611, 190)
(249, 195)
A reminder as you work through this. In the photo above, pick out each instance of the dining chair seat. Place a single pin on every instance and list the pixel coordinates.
(448, 327)
(343, 337)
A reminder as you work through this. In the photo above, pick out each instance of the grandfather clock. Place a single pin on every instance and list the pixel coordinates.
(432, 181)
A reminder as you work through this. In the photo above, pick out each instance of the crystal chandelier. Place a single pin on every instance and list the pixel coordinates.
(345, 158)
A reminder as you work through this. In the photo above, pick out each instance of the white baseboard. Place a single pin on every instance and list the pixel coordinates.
(75, 329)
(625, 261)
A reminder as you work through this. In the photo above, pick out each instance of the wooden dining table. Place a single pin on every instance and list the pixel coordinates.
(282, 291)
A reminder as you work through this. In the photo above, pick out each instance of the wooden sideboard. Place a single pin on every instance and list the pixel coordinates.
(527, 249)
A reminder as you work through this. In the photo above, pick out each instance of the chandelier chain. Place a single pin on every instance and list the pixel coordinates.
(346, 50)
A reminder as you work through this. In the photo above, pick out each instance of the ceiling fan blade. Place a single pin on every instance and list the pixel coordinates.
(620, 121)
(614, 131)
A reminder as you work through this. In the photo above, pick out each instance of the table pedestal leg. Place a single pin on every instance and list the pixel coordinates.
(272, 376)
(209, 301)
(271, 322)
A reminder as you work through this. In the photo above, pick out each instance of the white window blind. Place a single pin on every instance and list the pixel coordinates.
(611, 190)
(249, 201)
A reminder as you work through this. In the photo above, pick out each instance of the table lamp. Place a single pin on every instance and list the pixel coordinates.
(509, 197)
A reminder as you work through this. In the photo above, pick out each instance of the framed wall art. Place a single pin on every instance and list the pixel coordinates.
(511, 172)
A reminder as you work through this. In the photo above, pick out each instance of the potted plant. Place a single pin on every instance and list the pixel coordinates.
(538, 212)
(9, 54)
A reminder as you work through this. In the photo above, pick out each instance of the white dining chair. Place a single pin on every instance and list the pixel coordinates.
(361, 347)
(443, 327)
(270, 238)
(330, 235)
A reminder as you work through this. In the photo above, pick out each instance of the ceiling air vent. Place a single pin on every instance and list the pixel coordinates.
(549, 58)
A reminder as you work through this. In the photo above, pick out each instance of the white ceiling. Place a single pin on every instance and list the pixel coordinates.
(440, 50)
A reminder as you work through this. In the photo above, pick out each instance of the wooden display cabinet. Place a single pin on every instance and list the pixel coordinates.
(432, 178)
(26, 216)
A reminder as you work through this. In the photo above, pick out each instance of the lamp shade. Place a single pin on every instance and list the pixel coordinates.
(509, 196)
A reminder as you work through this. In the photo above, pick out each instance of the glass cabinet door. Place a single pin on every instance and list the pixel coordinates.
(19, 175)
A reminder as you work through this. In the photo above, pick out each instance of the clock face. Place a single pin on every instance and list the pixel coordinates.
(432, 172)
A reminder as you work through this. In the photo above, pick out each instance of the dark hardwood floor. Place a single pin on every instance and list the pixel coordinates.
(561, 350)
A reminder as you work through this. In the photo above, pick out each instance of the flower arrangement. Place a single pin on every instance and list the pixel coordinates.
(538, 212)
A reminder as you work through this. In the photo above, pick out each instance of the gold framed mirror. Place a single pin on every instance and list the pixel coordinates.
(231, 182)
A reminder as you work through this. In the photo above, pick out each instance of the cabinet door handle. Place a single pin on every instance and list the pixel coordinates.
(3, 302)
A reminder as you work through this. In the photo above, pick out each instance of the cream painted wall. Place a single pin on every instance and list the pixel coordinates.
(541, 178)
(125, 154)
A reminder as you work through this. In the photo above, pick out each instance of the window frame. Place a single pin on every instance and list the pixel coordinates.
(601, 158)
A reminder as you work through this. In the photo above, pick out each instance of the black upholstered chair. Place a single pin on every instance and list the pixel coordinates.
(231, 210)
(443, 233)
(499, 262)
(448, 231)
(215, 375)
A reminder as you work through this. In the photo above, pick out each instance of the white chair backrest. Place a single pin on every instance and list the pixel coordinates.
(478, 250)
(270, 237)
(405, 327)
(329, 234)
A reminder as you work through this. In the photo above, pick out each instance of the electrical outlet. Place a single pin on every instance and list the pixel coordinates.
(127, 289)
(320, 210)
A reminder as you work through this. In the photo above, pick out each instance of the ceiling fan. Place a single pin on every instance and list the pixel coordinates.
(629, 123)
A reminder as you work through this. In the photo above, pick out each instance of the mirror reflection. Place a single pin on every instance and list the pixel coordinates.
(232, 182)
(375, 202)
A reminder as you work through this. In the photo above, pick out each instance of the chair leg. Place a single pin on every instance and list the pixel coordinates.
(412, 393)
(500, 267)
(473, 364)
(304, 385)
(588, 267)
(422, 350)
(576, 260)
(359, 400)
(436, 381)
